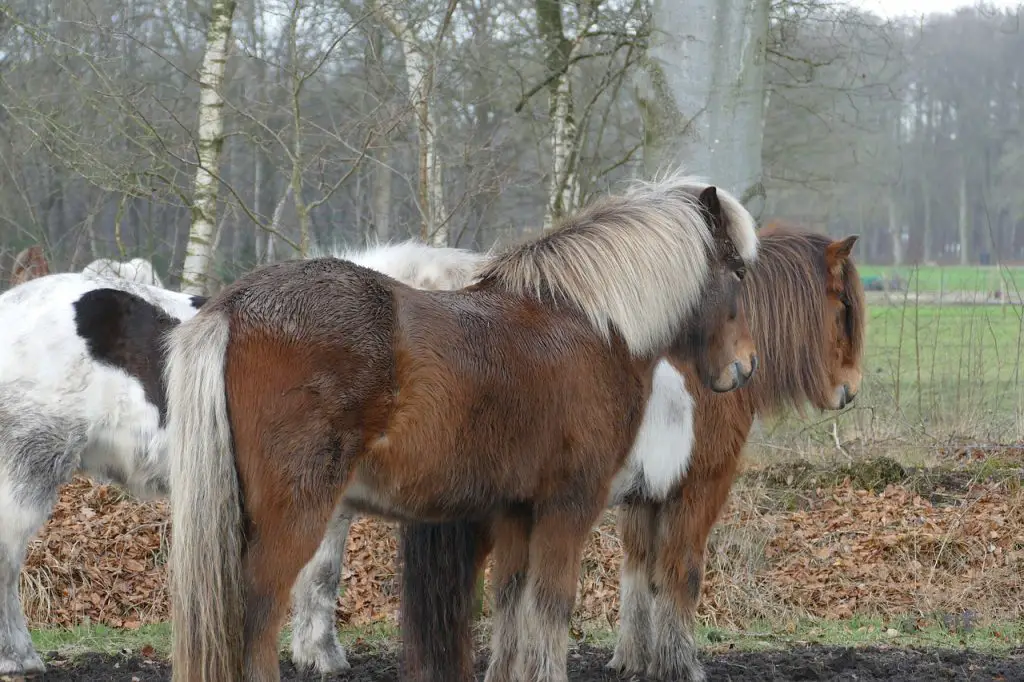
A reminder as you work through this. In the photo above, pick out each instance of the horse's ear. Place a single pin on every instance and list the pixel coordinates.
(839, 251)
(836, 255)
(710, 203)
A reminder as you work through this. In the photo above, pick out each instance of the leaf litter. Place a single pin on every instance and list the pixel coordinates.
(845, 552)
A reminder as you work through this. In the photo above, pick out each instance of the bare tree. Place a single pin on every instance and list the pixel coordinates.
(704, 92)
(199, 252)
(420, 67)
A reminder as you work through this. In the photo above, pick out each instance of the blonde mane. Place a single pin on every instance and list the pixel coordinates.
(637, 262)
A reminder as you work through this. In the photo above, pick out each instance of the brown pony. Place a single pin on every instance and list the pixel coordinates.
(806, 308)
(306, 383)
(29, 264)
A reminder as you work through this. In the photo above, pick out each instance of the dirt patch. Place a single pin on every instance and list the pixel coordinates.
(587, 663)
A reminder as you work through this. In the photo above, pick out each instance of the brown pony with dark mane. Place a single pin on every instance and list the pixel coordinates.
(806, 309)
(29, 264)
(308, 383)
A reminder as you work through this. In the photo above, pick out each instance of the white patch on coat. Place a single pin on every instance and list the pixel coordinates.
(664, 443)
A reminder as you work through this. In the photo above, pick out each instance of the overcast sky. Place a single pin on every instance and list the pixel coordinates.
(895, 8)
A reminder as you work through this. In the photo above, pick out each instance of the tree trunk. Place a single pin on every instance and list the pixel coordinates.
(703, 95)
(964, 223)
(381, 207)
(926, 237)
(895, 229)
(563, 190)
(419, 70)
(199, 252)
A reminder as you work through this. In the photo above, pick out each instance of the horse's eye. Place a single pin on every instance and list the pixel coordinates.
(740, 273)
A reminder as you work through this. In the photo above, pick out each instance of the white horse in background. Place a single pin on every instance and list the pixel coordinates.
(138, 270)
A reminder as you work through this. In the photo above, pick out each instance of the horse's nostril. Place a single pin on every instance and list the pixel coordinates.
(753, 365)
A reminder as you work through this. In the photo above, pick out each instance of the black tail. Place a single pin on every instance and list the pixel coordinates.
(440, 564)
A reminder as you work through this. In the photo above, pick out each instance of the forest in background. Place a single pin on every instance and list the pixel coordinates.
(908, 133)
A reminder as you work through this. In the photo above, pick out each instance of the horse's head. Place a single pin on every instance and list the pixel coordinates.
(29, 264)
(717, 339)
(844, 322)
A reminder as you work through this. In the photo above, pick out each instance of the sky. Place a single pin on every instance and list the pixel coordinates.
(895, 8)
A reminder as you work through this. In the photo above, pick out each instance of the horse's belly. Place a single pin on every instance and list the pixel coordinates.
(366, 495)
(127, 443)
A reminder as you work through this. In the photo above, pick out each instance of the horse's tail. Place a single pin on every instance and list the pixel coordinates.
(440, 565)
(206, 514)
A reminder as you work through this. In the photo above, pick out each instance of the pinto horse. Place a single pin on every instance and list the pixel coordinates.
(81, 390)
(806, 308)
(306, 383)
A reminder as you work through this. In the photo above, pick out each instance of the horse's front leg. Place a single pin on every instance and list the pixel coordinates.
(684, 524)
(315, 642)
(637, 530)
(511, 537)
(556, 549)
(36, 458)
(21, 515)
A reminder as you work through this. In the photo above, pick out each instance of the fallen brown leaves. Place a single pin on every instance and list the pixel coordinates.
(100, 559)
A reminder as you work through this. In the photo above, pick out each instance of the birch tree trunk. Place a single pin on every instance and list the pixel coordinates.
(926, 237)
(895, 229)
(702, 93)
(199, 251)
(419, 71)
(381, 207)
(564, 186)
(963, 222)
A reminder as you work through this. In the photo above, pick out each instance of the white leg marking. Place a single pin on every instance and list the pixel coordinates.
(315, 642)
(631, 646)
(673, 651)
(21, 520)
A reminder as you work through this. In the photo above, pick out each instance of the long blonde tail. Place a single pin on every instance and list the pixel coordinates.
(206, 513)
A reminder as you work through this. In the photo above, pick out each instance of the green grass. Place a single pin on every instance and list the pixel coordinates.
(936, 278)
(107, 640)
(908, 632)
(995, 638)
(952, 359)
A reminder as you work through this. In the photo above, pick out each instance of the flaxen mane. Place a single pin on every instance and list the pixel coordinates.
(790, 332)
(607, 255)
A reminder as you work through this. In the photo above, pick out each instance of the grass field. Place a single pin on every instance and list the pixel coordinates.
(937, 278)
(933, 371)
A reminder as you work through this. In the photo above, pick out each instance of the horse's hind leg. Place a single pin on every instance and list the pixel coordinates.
(315, 642)
(298, 488)
(283, 540)
(556, 548)
(637, 530)
(511, 537)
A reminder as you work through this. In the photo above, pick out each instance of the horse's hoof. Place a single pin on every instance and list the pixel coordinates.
(623, 666)
(329, 660)
(29, 664)
(689, 672)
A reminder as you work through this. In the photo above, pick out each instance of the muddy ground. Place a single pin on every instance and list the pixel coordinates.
(586, 664)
